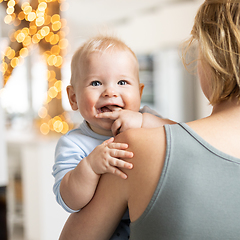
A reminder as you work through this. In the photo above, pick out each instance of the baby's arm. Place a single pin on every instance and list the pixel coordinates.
(78, 185)
(123, 120)
(127, 119)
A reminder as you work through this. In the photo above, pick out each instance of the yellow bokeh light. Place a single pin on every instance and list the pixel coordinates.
(11, 3)
(58, 126)
(56, 118)
(20, 37)
(16, 22)
(63, 43)
(42, 6)
(40, 14)
(4, 67)
(35, 38)
(7, 19)
(25, 4)
(52, 92)
(27, 41)
(16, 33)
(55, 18)
(64, 6)
(25, 31)
(10, 53)
(50, 124)
(61, 34)
(45, 31)
(27, 10)
(48, 37)
(55, 50)
(31, 16)
(58, 62)
(21, 16)
(14, 62)
(39, 35)
(56, 26)
(10, 10)
(51, 75)
(49, 99)
(40, 21)
(54, 39)
(65, 128)
(44, 128)
(47, 19)
(58, 85)
(42, 24)
(23, 52)
(59, 96)
(32, 30)
(51, 60)
(42, 113)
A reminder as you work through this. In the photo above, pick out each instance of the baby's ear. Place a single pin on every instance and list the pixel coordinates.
(141, 86)
(72, 97)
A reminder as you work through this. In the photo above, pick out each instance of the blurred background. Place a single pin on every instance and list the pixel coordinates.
(37, 41)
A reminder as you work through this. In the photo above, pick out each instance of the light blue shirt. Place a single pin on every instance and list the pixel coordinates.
(70, 150)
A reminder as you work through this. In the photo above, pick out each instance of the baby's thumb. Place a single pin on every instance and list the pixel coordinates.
(110, 140)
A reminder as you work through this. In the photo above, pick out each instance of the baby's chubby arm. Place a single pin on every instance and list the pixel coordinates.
(123, 120)
(78, 185)
(127, 119)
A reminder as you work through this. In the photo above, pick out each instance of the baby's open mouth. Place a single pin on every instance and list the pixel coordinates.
(109, 108)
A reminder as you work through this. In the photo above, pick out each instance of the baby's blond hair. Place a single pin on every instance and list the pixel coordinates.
(217, 30)
(99, 43)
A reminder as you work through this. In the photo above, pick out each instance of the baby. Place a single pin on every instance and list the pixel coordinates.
(105, 88)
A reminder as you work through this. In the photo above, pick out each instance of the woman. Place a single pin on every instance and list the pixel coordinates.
(185, 181)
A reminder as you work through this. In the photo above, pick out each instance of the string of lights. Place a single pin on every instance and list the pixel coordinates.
(39, 22)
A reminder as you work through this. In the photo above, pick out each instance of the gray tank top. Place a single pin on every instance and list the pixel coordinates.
(198, 194)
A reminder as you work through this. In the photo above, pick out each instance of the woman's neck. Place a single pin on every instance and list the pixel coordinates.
(229, 109)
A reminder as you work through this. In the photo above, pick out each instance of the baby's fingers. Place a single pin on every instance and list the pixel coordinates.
(120, 154)
(121, 163)
(111, 115)
(120, 146)
(117, 172)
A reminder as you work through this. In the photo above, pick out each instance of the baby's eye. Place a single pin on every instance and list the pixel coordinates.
(95, 83)
(122, 82)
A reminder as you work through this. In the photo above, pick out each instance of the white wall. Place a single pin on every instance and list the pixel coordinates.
(168, 26)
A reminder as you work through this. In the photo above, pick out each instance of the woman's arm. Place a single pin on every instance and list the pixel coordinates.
(100, 217)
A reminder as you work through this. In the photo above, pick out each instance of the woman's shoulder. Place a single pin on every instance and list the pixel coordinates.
(148, 147)
(135, 137)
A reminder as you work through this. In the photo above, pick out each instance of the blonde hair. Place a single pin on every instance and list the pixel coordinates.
(99, 43)
(217, 30)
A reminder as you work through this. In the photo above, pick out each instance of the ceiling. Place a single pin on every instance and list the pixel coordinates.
(94, 12)
(86, 17)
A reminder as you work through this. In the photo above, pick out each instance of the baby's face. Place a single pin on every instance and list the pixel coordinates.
(108, 82)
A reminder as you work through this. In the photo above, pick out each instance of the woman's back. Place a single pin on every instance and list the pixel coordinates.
(197, 196)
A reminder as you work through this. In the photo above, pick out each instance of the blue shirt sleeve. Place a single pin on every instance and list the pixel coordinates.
(67, 156)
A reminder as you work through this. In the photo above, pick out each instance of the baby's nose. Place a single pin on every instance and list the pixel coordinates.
(110, 92)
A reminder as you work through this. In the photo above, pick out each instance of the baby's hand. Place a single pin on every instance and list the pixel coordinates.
(105, 158)
(123, 120)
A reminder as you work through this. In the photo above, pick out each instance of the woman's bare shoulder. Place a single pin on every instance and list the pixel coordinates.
(141, 136)
(148, 147)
